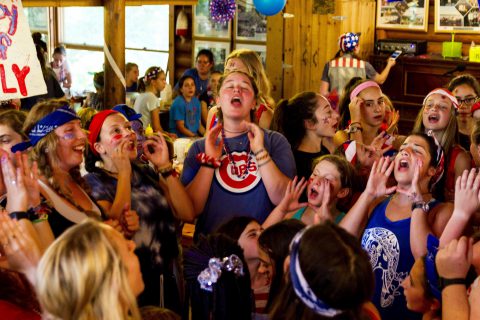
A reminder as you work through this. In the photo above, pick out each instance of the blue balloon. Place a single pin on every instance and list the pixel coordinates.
(269, 7)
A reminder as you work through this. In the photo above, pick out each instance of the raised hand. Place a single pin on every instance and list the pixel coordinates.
(294, 190)
(368, 154)
(255, 136)
(323, 212)
(467, 197)
(213, 142)
(30, 178)
(377, 181)
(454, 260)
(130, 221)
(156, 150)
(354, 108)
(120, 157)
(17, 196)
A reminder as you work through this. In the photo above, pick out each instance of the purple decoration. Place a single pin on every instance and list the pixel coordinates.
(222, 11)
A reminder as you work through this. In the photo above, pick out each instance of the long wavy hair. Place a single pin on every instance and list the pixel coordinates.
(81, 276)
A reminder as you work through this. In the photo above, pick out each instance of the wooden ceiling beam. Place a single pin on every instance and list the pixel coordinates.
(100, 3)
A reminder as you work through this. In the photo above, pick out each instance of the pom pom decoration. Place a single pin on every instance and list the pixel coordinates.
(222, 11)
(269, 7)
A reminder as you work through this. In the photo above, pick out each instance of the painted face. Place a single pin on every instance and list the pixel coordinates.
(373, 106)
(188, 88)
(58, 60)
(236, 97)
(116, 129)
(414, 290)
(203, 65)
(130, 260)
(248, 240)
(324, 170)
(466, 96)
(235, 64)
(414, 149)
(326, 119)
(71, 144)
(8, 138)
(214, 80)
(266, 266)
(133, 74)
(436, 112)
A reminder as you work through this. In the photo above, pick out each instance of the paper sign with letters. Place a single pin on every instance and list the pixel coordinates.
(20, 72)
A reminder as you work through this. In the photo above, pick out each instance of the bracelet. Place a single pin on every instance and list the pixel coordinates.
(19, 215)
(207, 161)
(41, 218)
(262, 157)
(264, 163)
(164, 170)
(443, 282)
(258, 152)
(172, 172)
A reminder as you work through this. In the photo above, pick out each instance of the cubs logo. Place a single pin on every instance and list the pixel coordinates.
(233, 178)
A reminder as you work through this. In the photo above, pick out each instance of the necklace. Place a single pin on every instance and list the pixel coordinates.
(237, 170)
(230, 131)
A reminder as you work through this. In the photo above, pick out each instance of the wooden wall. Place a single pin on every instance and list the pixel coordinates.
(182, 51)
(434, 39)
(311, 39)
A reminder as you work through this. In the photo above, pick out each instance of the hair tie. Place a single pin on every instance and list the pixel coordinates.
(209, 276)
(362, 86)
(300, 284)
(440, 160)
(443, 92)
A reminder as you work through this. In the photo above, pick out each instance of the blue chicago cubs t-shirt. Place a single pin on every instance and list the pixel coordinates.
(233, 194)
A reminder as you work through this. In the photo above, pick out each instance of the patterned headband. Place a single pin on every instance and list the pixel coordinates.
(153, 74)
(208, 277)
(300, 284)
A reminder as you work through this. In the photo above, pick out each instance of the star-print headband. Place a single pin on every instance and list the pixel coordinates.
(348, 41)
(443, 92)
(153, 74)
(46, 125)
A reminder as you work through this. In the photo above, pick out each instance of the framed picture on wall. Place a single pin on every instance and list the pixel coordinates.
(258, 48)
(219, 49)
(204, 26)
(459, 16)
(251, 25)
(409, 15)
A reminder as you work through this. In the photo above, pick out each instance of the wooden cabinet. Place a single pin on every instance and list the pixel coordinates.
(412, 78)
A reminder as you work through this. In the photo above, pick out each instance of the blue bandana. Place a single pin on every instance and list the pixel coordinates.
(430, 270)
(46, 125)
(301, 286)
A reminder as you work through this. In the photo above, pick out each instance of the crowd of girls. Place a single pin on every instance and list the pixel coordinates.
(328, 214)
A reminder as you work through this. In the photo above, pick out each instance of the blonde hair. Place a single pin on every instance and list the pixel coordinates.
(86, 114)
(255, 68)
(81, 276)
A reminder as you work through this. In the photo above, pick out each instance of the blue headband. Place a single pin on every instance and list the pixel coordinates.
(46, 125)
(430, 270)
(300, 284)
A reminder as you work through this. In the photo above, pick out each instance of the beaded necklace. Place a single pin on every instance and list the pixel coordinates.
(232, 161)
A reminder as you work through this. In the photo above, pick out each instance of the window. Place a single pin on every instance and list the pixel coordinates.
(37, 19)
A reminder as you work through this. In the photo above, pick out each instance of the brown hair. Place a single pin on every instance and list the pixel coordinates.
(15, 120)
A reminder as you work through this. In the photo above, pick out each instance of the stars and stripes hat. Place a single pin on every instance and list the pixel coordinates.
(348, 41)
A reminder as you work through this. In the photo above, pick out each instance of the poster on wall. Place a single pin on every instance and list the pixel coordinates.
(251, 25)
(20, 72)
(219, 49)
(409, 15)
(204, 26)
(458, 16)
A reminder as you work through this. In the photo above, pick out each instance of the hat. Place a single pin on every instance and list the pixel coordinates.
(128, 112)
(348, 41)
(95, 127)
(443, 92)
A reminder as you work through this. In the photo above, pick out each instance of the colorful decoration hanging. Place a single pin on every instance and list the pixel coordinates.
(222, 11)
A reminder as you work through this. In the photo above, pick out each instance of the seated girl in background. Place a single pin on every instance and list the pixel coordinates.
(438, 115)
(330, 182)
(185, 112)
(329, 275)
(306, 120)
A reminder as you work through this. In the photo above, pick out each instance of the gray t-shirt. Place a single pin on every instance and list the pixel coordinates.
(145, 104)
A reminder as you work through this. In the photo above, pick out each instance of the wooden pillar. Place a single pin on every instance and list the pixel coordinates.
(114, 25)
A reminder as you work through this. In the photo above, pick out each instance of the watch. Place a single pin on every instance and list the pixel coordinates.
(19, 215)
(442, 282)
(353, 129)
(425, 206)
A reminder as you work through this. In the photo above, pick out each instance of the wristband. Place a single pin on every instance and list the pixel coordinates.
(165, 170)
(258, 152)
(262, 157)
(206, 160)
(264, 163)
(172, 172)
(42, 218)
(443, 283)
(19, 215)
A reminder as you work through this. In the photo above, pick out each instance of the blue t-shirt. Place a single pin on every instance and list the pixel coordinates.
(388, 245)
(231, 195)
(200, 85)
(188, 112)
